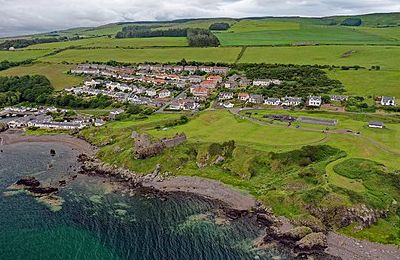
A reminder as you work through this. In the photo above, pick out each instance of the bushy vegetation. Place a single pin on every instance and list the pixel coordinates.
(37, 89)
(147, 31)
(202, 38)
(225, 149)
(7, 64)
(14, 90)
(298, 80)
(219, 26)
(305, 156)
(352, 22)
(382, 185)
(358, 104)
(22, 43)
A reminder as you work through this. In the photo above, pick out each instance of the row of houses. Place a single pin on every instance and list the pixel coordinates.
(259, 99)
(179, 69)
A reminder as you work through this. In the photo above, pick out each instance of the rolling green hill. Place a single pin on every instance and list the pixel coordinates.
(323, 41)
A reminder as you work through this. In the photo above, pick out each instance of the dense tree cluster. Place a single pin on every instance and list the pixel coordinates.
(202, 38)
(9, 64)
(297, 80)
(22, 43)
(14, 90)
(219, 26)
(71, 101)
(146, 31)
(352, 22)
(38, 90)
(196, 37)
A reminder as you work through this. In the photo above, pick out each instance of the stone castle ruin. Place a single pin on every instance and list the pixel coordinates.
(145, 147)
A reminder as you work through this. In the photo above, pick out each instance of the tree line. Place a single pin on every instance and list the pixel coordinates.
(38, 90)
(22, 43)
(196, 37)
(9, 64)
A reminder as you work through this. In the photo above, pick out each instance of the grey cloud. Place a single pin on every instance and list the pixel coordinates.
(27, 16)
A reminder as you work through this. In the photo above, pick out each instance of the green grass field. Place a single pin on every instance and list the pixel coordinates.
(326, 55)
(56, 73)
(22, 55)
(369, 83)
(228, 55)
(105, 42)
(278, 33)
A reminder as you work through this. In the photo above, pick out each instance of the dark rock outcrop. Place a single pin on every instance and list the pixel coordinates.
(314, 242)
(42, 190)
(28, 181)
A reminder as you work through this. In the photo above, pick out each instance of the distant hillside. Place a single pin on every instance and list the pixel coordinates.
(377, 20)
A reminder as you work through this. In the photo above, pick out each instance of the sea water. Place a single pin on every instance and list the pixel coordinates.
(99, 221)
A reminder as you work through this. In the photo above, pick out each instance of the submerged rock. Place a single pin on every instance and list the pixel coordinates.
(28, 181)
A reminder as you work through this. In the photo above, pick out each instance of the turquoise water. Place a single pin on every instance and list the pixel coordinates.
(96, 223)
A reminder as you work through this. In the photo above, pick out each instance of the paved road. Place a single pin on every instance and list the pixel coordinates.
(180, 95)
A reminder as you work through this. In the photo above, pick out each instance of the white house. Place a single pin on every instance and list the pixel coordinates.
(165, 93)
(225, 96)
(291, 101)
(228, 105)
(266, 82)
(376, 125)
(314, 101)
(272, 101)
(388, 101)
(339, 98)
(256, 99)
(151, 92)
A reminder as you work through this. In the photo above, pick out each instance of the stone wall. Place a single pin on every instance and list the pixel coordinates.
(145, 148)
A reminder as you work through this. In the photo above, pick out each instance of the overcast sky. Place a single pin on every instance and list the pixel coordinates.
(28, 16)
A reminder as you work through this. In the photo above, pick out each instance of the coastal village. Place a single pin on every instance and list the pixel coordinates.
(175, 88)
(49, 118)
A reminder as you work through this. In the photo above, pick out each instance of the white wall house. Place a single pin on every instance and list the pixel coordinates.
(290, 101)
(314, 101)
(388, 101)
(164, 93)
(272, 101)
(151, 92)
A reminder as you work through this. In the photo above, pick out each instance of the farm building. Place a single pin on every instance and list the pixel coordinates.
(376, 125)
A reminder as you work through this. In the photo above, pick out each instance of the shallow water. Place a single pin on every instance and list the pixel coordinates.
(96, 223)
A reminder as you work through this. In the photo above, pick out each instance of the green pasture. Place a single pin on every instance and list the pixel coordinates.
(228, 55)
(366, 56)
(369, 83)
(284, 33)
(20, 55)
(56, 73)
(105, 42)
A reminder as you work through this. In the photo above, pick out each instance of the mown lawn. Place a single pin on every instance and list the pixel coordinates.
(228, 55)
(56, 73)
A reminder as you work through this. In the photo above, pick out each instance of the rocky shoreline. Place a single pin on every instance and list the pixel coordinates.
(305, 241)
